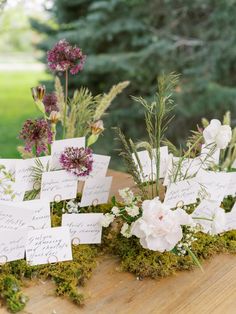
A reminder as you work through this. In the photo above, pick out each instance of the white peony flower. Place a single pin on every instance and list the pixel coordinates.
(159, 228)
(107, 219)
(115, 211)
(127, 195)
(125, 230)
(132, 210)
(218, 134)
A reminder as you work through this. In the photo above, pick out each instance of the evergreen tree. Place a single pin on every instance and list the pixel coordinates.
(136, 40)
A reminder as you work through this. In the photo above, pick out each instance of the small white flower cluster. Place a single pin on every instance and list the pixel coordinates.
(130, 208)
(187, 240)
(127, 195)
(126, 230)
(72, 207)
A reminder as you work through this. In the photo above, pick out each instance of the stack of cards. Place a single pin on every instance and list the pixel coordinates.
(25, 226)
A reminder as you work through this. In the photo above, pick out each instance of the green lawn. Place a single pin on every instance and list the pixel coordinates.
(16, 105)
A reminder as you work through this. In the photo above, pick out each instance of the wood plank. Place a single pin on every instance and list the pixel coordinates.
(111, 291)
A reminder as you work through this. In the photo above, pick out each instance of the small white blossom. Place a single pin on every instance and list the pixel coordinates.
(132, 211)
(125, 230)
(107, 219)
(127, 195)
(72, 206)
(115, 210)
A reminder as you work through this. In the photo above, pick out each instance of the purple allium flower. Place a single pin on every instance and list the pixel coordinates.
(50, 103)
(36, 133)
(63, 57)
(76, 160)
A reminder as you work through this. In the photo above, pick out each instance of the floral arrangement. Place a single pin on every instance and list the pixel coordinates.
(173, 216)
(147, 212)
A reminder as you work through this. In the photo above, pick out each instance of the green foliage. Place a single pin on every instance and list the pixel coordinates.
(85, 109)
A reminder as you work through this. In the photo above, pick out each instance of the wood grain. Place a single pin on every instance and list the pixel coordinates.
(111, 291)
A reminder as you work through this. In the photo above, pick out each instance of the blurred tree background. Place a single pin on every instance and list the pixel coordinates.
(136, 40)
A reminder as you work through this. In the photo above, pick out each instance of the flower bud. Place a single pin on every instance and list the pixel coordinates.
(97, 127)
(38, 92)
(54, 117)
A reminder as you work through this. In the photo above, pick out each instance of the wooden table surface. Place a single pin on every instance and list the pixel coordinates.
(111, 291)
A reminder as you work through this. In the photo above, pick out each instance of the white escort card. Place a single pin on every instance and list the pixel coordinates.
(84, 228)
(149, 166)
(12, 218)
(210, 155)
(231, 190)
(96, 191)
(99, 168)
(58, 185)
(48, 246)
(12, 245)
(59, 146)
(214, 185)
(23, 175)
(181, 193)
(210, 216)
(39, 210)
(188, 169)
(9, 190)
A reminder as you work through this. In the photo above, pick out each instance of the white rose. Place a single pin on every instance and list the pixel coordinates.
(107, 219)
(132, 210)
(125, 230)
(218, 134)
(159, 228)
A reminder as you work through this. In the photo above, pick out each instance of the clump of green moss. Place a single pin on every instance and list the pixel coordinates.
(147, 263)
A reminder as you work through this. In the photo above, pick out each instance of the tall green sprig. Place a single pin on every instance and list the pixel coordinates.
(158, 117)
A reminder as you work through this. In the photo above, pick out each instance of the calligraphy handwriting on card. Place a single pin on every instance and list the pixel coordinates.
(84, 228)
(38, 209)
(96, 191)
(148, 165)
(59, 146)
(12, 245)
(215, 184)
(58, 185)
(48, 246)
(182, 192)
(99, 168)
(12, 218)
(24, 171)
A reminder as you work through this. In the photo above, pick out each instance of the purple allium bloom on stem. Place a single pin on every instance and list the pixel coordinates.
(50, 103)
(63, 57)
(36, 133)
(78, 161)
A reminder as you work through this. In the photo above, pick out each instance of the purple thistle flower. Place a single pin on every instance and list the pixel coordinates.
(76, 160)
(50, 103)
(63, 57)
(36, 133)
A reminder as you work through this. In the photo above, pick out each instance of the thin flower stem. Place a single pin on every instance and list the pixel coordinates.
(65, 106)
(203, 218)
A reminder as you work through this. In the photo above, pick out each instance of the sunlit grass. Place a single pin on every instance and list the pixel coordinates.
(16, 105)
